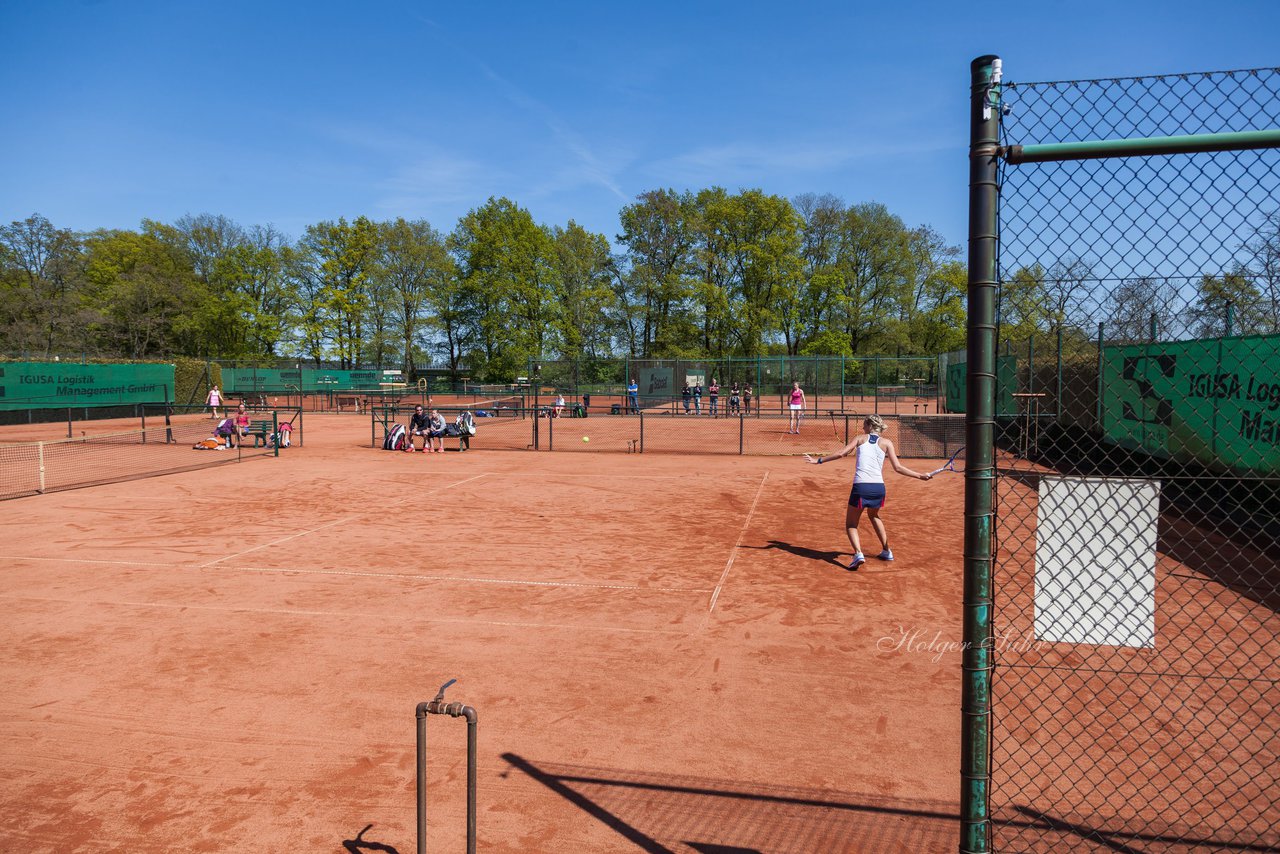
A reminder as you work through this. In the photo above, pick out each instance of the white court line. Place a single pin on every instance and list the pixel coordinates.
(554, 474)
(407, 576)
(729, 565)
(329, 525)
(302, 612)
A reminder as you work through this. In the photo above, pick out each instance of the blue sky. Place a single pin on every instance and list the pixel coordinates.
(292, 113)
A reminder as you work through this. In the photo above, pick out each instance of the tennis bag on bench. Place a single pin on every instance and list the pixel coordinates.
(395, 439)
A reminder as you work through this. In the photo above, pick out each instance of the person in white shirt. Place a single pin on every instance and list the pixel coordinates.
(868, 492)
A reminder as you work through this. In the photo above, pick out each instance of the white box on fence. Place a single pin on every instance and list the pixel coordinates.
(1095, 575)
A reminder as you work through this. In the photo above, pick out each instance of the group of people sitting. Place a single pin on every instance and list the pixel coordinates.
(232, 430)
(430, 426)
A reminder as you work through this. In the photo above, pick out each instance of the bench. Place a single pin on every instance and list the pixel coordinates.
(464, 441)
(259, 430)
(353, 401)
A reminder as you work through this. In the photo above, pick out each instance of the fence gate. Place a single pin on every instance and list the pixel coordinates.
(1122, 545)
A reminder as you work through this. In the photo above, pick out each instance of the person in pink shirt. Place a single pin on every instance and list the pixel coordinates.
(242, 423)
(796, 408)
(213, 401)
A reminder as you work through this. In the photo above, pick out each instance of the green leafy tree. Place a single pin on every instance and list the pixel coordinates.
(506, 263)
(141, 291)
(584, 275)
(41, 284)
(256, 270)
(659, 234)
(412, 263)
(331, 264)
(1229, 304)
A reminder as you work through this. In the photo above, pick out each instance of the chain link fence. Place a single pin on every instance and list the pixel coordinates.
(1136, 610)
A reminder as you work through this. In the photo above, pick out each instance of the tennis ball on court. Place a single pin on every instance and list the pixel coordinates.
(586, 438)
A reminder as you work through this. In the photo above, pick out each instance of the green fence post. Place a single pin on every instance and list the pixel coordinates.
(975, 737)
(275, 432)
(1058, 404)
(1098, 414)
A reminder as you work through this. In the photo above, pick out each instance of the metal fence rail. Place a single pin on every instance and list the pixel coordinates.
(668, 431)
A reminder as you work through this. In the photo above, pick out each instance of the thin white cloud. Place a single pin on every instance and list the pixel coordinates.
(437, 180)
(752, 162)
(589, 165)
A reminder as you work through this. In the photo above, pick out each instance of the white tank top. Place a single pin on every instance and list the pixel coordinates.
(870, 461)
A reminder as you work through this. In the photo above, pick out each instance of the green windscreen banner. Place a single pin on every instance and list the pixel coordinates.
(53, 385)
(955, 373)
(1215, 401)
(239, 380)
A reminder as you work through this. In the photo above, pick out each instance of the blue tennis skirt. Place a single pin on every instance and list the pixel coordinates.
(867, 495)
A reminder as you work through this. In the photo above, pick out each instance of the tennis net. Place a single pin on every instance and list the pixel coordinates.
(32, 468)
(929, 436)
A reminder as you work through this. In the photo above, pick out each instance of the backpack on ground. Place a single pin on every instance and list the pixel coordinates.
(466, 424)
(395, 439)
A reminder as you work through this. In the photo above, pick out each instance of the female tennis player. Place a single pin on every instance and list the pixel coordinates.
(796, 407)
(868, 491)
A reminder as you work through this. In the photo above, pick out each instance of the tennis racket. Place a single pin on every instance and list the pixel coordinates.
(949, 465)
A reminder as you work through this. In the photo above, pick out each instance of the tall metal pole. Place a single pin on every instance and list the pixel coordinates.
(980, 394)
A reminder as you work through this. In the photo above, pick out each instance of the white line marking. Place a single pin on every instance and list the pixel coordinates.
(302, 612)
(407, 576)
(733, 554)
(328, 525)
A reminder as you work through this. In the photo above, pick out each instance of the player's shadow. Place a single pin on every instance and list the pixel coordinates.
(360, 845)
(830, 557)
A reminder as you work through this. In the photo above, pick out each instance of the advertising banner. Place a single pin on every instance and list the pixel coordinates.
(52, 385)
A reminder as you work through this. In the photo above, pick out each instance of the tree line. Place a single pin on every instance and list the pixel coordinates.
(706, 274)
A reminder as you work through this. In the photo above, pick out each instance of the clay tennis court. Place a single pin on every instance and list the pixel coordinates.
(662, 650)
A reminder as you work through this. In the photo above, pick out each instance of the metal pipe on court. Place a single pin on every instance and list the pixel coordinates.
(438, 706)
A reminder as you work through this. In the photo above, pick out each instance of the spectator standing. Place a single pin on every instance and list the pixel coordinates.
(633, 396)
(746, 398)
(697, 398)
(213, 401)
(795, 406)
(713, 395)
(686, 394)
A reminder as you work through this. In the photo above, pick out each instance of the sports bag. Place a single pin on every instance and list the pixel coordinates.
(395, 439)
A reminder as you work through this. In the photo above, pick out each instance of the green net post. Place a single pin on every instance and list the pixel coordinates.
(168, 418)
